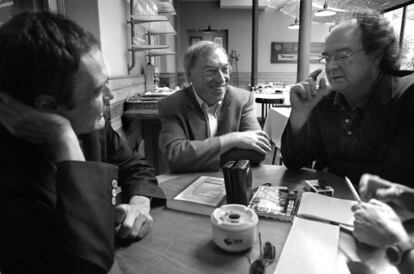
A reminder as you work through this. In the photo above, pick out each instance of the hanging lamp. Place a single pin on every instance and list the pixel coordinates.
(294, 25)
(325, 11)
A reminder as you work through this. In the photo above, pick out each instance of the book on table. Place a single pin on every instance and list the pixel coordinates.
(325, 208)
(201, 196)
(275, 202)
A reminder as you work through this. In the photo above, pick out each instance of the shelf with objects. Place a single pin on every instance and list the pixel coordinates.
(150, 23)
(145, 25)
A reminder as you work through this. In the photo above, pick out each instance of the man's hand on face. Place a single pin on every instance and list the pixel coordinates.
(29, 124)
(304, 96)
(53, 131)
(134, 219)
(255, 140)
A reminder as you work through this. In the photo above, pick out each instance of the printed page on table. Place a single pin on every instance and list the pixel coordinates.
(205, 190)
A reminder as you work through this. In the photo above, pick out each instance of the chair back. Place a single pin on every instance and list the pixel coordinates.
(266, 104)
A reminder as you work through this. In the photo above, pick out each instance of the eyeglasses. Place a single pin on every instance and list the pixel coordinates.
(267, 256)
(340, 58)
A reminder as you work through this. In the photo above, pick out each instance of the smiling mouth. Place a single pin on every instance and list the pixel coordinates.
(218, 87)
(336, 77)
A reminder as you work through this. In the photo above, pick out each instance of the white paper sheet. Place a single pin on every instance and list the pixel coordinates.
(325, 208)
(311, 247)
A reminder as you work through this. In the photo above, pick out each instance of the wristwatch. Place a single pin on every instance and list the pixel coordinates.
(395, 252)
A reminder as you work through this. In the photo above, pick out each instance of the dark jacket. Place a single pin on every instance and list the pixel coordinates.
(60, 219)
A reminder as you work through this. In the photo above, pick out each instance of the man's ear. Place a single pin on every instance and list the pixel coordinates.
(377, 57)
(46, 103)
(188, 77)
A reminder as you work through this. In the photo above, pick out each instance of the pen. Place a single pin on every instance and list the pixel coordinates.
(351, 187)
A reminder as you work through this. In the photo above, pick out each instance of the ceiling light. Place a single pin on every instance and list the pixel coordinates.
(325, 11)
(295, 25)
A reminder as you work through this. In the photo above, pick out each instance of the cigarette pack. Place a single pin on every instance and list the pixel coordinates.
(319, 186)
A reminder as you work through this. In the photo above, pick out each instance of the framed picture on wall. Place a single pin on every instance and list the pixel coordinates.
(195, 39)
(218, 40)
(287, 52)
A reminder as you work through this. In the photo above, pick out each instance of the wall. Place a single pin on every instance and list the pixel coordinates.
(114, 34)
(167, 63)
(85, 13)
(272, 28)
(106, 19)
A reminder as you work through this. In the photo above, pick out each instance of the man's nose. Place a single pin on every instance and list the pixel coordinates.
(330, 64)
(221, 76)
(108, 94)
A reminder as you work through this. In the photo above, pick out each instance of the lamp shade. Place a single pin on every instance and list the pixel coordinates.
(295, 25)
(325, 11)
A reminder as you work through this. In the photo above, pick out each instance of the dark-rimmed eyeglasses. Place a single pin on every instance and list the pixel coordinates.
(267, 256)
(341, 58)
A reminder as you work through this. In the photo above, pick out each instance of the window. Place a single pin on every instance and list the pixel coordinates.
(395, 18)
(405, 31)
(6, 10)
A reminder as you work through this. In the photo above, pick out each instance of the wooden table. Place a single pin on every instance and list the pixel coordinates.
(182, 243)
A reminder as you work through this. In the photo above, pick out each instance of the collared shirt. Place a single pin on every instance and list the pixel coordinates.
(374, 137)
(211, 113)
(351, 117)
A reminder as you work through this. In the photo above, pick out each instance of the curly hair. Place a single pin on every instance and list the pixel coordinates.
(39, 54)
(378, 34)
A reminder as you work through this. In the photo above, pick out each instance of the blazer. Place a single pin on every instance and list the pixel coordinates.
(60, 218)
(184, 139)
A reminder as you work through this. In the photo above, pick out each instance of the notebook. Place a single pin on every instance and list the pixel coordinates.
(327, 209)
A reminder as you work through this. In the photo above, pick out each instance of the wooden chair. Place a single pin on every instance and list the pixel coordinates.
(266, 105)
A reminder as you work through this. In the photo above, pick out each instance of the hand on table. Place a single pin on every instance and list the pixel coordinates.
(134, 219)
(377, 224)
(372, 186)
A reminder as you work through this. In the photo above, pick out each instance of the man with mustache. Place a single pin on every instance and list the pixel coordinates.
(210, 122)
(363, 121)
